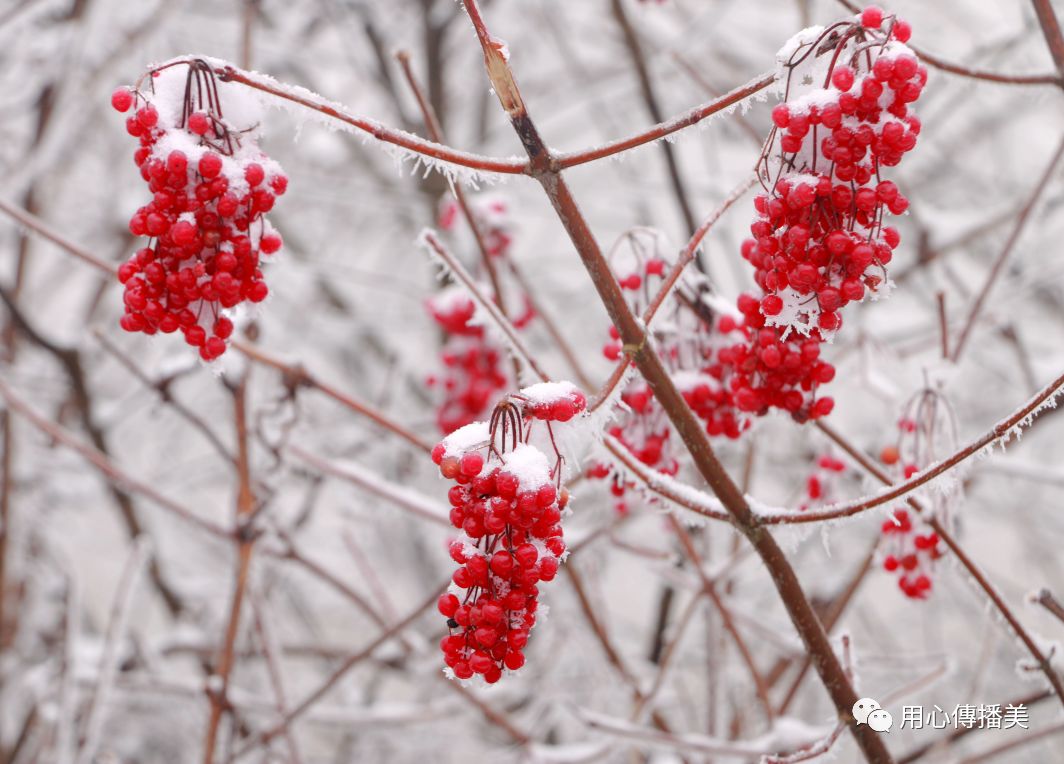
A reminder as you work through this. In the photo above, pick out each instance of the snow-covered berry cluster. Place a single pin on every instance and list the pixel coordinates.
(473, 365)
(211, 186)
(695, 329)
(507, 500)
(474, 368)
(492, 216)
(819, 239)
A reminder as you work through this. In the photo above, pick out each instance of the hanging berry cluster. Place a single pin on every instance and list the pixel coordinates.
(911, 546)
(474, 365)
(690, 334)
(474, 370)
(820, 485)
(211, 186)
(819, 240)
(508, 502)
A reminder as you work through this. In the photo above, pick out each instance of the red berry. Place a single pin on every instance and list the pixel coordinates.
(872, 17)
(198, 123)
(210, 164)
(121, 99)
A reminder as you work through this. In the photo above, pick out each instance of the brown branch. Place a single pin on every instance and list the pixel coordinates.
(1000, 431)
(633, 336)
(1046, 599)
(1003, 256)
(245, 541)
(34, 223)
(662, 129)
(1047, 17)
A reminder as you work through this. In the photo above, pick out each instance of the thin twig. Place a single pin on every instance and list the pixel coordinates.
(297, 375)
(34, 223)
(1003, 256)
(650, 100)
(245, 541)
(106, 467)
(116, 632)
(710, 590)
(459, 271)
(271, 650)
(1046, 599)
(353, 660)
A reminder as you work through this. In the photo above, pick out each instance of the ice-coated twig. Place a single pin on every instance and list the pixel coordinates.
(980, 579)
(404, 498)
(271, 650)
(429, 239)
(668, 127)
(1006, 250)
(692, 743)
(353, 660)
(35, 224)
(478, 163)
(1008, 427)
(117, 625)
(105, 466)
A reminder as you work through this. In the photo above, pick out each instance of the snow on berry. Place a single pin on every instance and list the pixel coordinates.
(211, 186)
(552, 401)
(507, 501)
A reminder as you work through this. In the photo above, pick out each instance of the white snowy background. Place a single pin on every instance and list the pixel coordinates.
(347, 302)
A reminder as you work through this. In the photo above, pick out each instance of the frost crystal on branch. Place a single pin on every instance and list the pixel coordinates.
(211, 186)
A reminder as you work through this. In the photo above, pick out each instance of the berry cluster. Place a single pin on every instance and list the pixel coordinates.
(911, 544)
(820, 485)
(910, 554)
(211, 186)
(474, 371)
(492, 216)
(819, 240)
(508, 502)
(474, 365)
